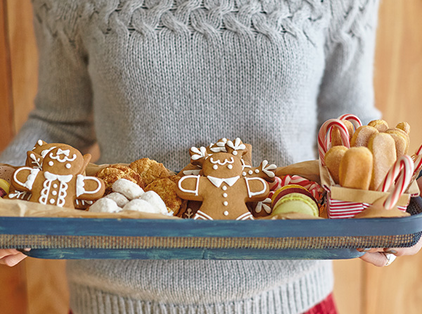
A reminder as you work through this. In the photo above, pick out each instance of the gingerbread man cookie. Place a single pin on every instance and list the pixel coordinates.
(221, 185)
(58, 178)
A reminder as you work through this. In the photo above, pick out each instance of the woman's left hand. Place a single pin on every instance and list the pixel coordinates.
(384, 257)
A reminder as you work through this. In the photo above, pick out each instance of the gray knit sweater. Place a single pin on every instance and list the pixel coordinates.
(152, 78)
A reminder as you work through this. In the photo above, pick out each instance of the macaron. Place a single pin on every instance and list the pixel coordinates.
(296, 202)
(4, 188)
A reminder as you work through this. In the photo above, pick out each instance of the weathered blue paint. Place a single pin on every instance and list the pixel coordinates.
(189, 254)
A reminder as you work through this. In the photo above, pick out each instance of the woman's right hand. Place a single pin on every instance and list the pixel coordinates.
(11, 257)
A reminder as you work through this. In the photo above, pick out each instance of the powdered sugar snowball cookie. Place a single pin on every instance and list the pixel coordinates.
(119, 198)
(127, 188)
(105, 205)
(141, 205)
(154, 199)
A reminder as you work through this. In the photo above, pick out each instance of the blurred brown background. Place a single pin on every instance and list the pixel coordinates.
(39, 286)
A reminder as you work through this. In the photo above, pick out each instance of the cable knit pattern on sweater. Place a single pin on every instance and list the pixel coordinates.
(152, 78)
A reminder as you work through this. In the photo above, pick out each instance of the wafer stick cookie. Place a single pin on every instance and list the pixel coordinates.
(401, 139)
(362, 135)
(355, 169)
(332, 160)
(380, 125)
(383, 149)
(404, 126)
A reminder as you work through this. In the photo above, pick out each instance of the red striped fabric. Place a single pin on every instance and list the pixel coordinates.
(343, 209)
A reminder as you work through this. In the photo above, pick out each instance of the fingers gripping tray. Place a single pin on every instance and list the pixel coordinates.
(151, 238)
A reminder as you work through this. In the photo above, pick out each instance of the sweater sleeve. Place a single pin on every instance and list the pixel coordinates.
(347, 84)
(63, 105)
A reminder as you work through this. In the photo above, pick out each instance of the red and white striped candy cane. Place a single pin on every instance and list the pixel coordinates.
(417, 159)
(323, 139)
(352, 118)
(403, 166)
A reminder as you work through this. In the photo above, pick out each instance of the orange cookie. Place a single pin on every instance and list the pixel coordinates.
(383, 149)
(362, 135)
(149, 169)
(332, 160)
(355, 169)
(60, 180)
(380, 125)
(166, 188)
(112, 173)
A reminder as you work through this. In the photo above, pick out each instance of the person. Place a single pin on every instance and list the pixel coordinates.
(153, 78)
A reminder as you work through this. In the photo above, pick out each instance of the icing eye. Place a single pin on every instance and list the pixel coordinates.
(230, 166)
(68, 166)
(256, 170)
(51, 163)
(250, 172)
(234, 153)
(215, 167)
(243, 173)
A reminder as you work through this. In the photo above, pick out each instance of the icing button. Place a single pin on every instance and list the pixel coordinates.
(225, 195)
(52, 201)
(54, 192)
(243, 173)
(225, 203)
(226, 213)
(250, 171)
(224, 187)
(55, 186)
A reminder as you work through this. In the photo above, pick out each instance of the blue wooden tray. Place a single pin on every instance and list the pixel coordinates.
(97, 238)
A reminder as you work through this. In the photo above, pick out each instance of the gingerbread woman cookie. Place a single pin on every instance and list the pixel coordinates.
(221, 185)
(58, 179)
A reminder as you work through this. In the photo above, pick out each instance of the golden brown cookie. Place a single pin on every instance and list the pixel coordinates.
(112, 173)
(166, 188)
(333, 159)
(362, 135)
(149, 169)
(380, 125)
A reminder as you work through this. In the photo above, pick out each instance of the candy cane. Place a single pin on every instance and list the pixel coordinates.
(324, 142)
(352, 118)
(403, 166)
(417, 159)
(314, 188)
